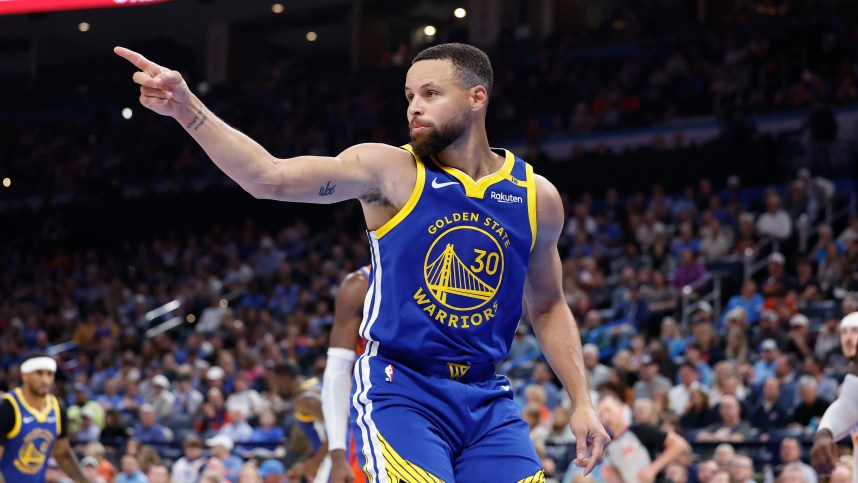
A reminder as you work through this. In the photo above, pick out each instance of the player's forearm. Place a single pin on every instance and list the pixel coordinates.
(560, 342)
(238, 156)
(71, 467)
(672, 452)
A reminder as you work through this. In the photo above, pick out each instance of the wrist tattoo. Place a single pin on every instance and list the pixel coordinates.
(327, 190)
(197, 122)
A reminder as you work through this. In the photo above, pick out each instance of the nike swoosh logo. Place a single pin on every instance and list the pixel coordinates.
(505, 388)
(28, 420)
(436, 184)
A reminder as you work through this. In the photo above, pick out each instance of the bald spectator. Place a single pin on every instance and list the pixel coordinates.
(597, 373)
(811, 408)
(639, 452)
(732, 427)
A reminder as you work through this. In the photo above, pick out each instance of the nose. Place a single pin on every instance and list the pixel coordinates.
(415, 107)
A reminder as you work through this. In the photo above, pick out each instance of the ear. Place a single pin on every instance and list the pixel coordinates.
(479, 97)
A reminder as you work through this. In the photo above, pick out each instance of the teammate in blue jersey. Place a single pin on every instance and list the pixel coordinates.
(459, 233)
(33, 427)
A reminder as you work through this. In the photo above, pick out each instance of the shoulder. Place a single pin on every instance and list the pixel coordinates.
(375, 153)
(354, 279)
(549, 206)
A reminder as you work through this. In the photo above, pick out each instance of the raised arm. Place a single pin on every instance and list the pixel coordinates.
(555, 327)
(357, 172)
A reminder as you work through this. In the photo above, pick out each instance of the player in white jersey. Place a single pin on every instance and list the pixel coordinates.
(841, 418)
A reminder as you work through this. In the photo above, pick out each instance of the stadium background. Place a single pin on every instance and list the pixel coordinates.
(676, 130)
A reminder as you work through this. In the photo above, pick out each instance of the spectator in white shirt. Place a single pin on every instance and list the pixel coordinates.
(163, 399)
(775, 222)
(189, 467)
(88, 430)
(679, 395)
(246, 398)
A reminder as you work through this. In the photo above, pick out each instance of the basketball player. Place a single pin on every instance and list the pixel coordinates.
(345, 346)
(841, 418)
(330, 460)
(33, 427)
(459, 232)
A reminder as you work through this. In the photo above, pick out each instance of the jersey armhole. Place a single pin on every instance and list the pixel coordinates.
(16, 426)
(530, 183)
(412, 200)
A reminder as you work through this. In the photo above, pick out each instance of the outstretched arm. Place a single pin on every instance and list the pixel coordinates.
(555, 327)
(354, 173)
(68, 461)
(335, 390)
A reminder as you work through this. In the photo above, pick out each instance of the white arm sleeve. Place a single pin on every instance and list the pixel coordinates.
(335, 395)
(842, 415)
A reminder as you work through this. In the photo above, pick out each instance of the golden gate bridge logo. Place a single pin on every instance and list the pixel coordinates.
(458, 284)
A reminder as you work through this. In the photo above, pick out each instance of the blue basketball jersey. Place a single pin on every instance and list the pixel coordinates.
(31, 440)
(448, 270)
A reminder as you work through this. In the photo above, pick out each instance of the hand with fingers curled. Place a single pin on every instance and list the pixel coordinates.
(161, 89)
(824, 453)
(591, 437)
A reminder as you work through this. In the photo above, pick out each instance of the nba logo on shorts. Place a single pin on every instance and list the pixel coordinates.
(388, 371)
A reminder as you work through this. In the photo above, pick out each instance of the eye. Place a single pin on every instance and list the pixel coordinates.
(431, 93)
(409, 97)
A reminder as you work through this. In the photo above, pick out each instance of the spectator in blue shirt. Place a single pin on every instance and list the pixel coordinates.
(542, 378)
(749, 299)
(130, 470)
(764, 368)
(267, 432)
(148, 430)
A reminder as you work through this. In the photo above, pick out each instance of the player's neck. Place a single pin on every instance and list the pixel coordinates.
(471, 155)
(34, 400)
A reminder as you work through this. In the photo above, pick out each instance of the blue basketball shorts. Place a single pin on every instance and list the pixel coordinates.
(420, 421)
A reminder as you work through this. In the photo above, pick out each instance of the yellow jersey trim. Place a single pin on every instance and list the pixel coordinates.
(41, 416)
(304, 418)
(401, 470)
(539, 477)
(412, 200)
(56, 404)
(477, 189)
(16, 428)
(530, 183)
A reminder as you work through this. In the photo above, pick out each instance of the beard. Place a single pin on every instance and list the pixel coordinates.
(439, 138)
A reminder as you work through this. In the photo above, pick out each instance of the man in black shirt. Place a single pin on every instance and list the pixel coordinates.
(811, 406)
(638, 452)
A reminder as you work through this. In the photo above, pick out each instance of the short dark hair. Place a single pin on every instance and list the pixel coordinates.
(472, 64)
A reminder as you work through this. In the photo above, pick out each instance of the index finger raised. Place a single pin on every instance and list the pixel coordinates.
(138, 60)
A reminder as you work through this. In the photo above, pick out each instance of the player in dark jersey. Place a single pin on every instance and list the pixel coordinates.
(459, 234)
(33, 427)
